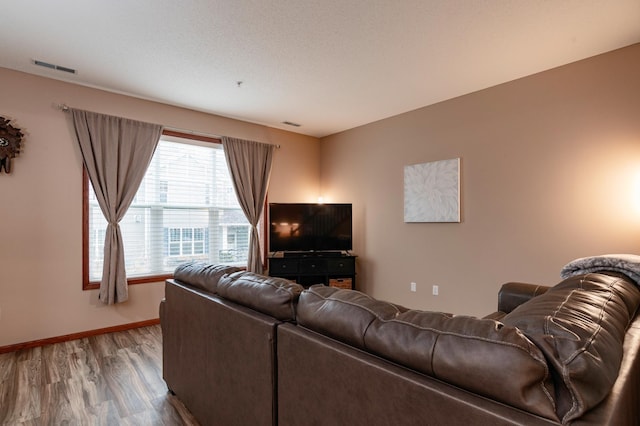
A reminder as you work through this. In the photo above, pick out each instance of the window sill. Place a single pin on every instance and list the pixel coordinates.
(95, 285)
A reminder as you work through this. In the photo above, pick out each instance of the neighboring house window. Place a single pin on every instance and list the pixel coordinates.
(185, 209)
(187, 242)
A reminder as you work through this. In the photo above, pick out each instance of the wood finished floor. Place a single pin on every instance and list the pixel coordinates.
(110, 379)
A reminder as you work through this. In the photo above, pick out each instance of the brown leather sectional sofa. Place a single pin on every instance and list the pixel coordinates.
(246, 349)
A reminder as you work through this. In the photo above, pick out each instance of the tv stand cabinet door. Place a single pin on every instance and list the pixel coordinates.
(284, 268)
(345, 266)
(313, 266)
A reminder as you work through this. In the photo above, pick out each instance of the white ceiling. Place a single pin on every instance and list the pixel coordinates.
(329, 65)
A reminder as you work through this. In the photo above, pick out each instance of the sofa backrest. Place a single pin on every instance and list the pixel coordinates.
(580, 326)
(344, 315)
(480, 355)
(202, 275)
(272, 296)
(276, 297)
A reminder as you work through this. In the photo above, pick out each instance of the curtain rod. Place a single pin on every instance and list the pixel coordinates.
(65, 108)
(207, 135)
(191, 132)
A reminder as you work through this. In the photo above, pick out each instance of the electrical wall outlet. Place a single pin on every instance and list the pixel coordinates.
(436, 290)
(413, 287)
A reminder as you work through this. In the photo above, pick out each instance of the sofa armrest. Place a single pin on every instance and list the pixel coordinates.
(513, 294)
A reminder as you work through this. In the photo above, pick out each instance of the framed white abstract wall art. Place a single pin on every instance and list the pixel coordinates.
(432, 191)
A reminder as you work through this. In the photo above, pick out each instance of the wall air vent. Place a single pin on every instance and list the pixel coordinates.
(54, 67)
(290, 123)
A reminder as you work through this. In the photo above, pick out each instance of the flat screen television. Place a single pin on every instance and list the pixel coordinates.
(309, 227)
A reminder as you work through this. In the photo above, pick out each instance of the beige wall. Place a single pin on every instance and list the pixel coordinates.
(550, 166)
(41, 204)
(550, 172)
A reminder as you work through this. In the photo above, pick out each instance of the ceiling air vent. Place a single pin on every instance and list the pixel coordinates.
(54, 66)
(290, 123)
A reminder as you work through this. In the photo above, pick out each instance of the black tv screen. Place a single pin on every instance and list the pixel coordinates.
(309, 227)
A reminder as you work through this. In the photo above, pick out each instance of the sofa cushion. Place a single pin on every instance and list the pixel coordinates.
(202, 275)
(580, 326)
(342, 314)
(276, 297)
(480, 355)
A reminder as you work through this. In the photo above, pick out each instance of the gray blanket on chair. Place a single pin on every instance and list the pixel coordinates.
(628, 264)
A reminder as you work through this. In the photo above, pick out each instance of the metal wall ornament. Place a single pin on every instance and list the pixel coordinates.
(10, 144)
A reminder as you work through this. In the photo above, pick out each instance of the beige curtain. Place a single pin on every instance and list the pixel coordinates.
(249, 163)
(116, 154)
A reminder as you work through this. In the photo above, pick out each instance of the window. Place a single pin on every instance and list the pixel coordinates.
(185, 209)
(186, 241)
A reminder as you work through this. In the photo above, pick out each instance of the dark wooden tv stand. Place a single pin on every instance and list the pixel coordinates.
(307, 268)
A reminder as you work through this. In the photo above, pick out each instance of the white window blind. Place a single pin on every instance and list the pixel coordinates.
(185, 209)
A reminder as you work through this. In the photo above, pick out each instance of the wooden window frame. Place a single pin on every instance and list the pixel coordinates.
(87, 284)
